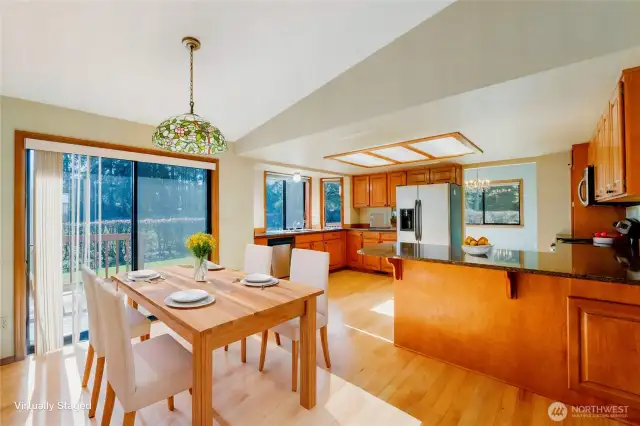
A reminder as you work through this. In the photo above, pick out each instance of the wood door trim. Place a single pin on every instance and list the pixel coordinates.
(19, 216)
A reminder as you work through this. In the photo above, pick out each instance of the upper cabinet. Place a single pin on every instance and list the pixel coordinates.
(360, 186)
(395, 180)
(446, 174)
(615, 145)
(378, 190)
(418, 176)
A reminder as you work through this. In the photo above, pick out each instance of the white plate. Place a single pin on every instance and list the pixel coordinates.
(151, 277)
(603, 241)
(269, 283)
(214, 266)
(202, 302)
(142, 274)
(258, 278)
(188, 296)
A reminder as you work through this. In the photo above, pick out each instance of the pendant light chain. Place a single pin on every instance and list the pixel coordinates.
(191, 77)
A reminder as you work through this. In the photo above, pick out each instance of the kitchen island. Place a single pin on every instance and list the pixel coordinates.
(565, 325)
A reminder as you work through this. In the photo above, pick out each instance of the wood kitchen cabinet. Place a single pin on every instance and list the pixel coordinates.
(418, 176)
(378, 190)
(600, 335)
(360, 196)
(372, 263)
(335, 248)
(354, 243)
(446, 174)
(614, 149)
(395, 180)
(387, 237)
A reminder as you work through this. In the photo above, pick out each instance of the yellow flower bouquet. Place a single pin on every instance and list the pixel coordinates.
(201, 245)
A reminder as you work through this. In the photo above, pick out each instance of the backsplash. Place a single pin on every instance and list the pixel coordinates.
(633, 212)
(364, 213)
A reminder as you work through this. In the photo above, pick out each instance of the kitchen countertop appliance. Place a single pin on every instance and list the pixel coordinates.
(430, 214)
(630, 229)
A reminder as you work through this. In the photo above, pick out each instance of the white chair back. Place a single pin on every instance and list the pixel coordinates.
(116, 336)
(311, 267)
(257, 259)
(89, 278)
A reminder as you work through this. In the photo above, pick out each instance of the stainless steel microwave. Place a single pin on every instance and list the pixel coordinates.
(586, 187)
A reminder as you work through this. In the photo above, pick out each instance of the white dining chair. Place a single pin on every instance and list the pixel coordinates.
(139, 326)
(308, 267)
(257, 260)
(142, 374)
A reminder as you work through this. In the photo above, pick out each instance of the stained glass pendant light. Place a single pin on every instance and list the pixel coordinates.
(189, 133)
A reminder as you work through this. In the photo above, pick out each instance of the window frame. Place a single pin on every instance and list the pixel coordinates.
(307, 198)
(322, 200)
(520, 183)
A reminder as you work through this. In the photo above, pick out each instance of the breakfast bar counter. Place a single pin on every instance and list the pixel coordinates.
(563, 324)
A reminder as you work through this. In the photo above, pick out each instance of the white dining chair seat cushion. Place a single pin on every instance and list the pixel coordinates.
(163, 367)
(138, 322)
(291, 328)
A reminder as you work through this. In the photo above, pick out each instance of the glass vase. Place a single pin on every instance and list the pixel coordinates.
(200, 270)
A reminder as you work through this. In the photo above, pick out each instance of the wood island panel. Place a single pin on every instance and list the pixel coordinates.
(461, 315)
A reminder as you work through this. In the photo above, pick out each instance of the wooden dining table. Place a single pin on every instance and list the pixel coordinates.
(238, 312)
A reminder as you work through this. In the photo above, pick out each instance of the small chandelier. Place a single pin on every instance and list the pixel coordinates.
(189, 133)
(476, 185)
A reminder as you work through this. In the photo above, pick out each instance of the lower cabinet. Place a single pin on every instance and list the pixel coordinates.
(600, 335)
(330, 242)
(354, 243)
(372, 263)
(335, 248)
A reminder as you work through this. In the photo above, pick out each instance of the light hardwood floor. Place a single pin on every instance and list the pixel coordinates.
(371, 382)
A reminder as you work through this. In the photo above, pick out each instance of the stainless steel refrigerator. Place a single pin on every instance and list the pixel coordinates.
(430, 214)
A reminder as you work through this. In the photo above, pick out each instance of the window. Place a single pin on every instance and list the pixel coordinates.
(499, 204)
(287, 203)
(331, 202)
(172, 205)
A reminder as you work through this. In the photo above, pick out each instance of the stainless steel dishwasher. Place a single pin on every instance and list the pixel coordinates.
(281, 260)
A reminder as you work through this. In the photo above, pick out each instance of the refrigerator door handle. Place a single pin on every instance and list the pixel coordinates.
(415, 220)
(419, 220)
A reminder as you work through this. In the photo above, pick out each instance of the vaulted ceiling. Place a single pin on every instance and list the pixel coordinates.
(126, 60)
(294, 81)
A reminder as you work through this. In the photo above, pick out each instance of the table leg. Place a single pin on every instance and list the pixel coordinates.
(308, 355)
(202, 411)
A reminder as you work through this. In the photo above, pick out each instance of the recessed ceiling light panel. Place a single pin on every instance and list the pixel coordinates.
(401, 154)
(443, 147)
(365, 160)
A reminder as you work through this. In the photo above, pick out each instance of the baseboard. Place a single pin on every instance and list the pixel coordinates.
(7, 360)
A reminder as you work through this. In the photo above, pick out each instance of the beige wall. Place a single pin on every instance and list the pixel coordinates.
(236, 183)
(554, 197)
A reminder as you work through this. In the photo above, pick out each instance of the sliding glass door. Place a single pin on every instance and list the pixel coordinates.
(172, 204)
(117, 215)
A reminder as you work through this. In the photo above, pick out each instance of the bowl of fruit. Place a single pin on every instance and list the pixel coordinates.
(603, 239)
(479, 247)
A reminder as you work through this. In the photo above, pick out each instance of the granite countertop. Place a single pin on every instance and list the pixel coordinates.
(278, 234)
(581, 261)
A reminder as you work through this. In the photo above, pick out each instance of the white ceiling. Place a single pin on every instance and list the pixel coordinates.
(530, 116)
(125, 59)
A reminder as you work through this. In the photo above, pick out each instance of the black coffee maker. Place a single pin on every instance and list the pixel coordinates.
(630, 229)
